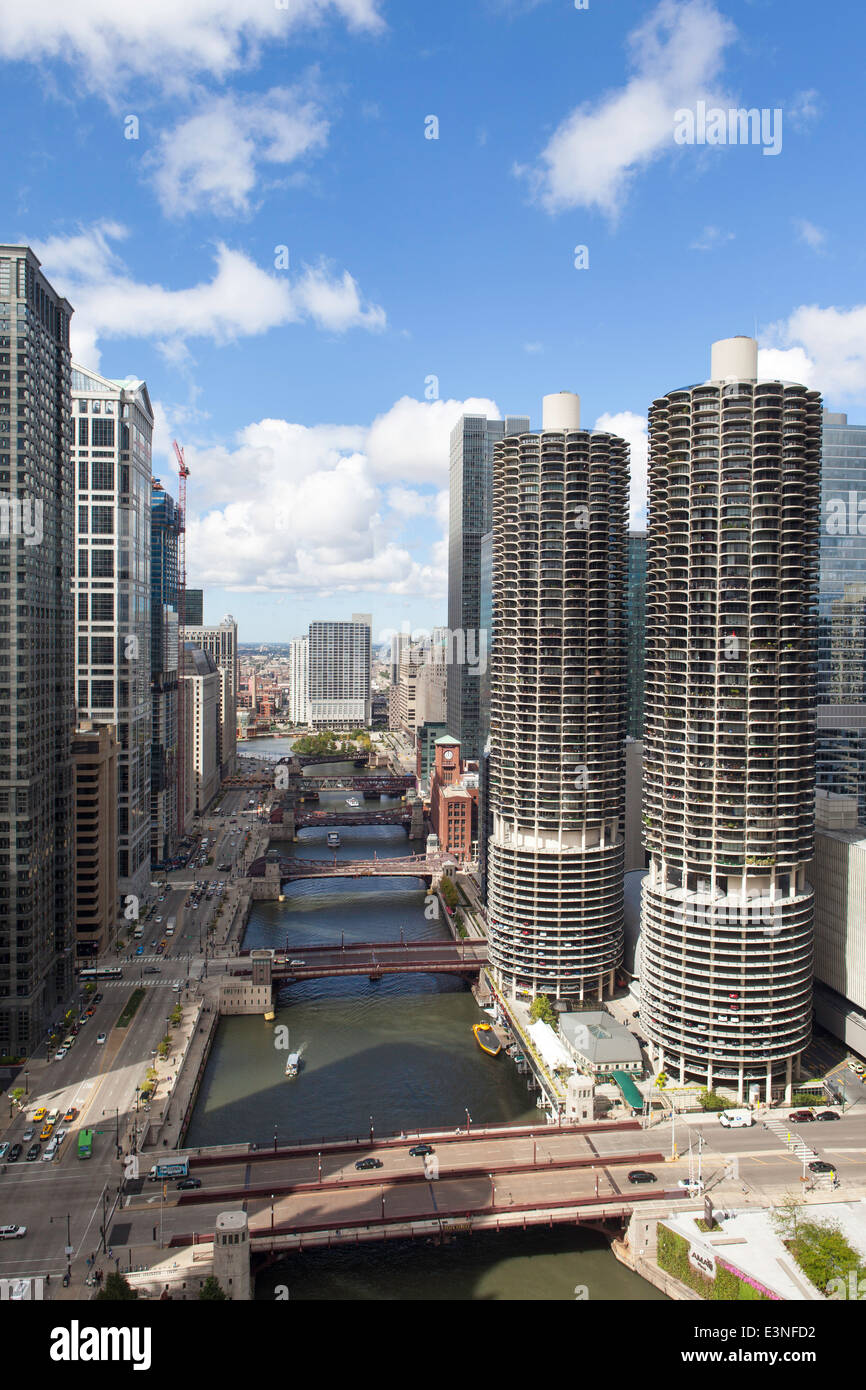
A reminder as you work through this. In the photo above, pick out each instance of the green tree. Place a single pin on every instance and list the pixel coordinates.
(213, 1290)
(661, 1080)
(711, 1101)
(116, 1289)
(786, 1217)
(543, 1009)
(448, 891)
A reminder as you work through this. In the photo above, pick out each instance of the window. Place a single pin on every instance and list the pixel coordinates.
(103, 473)
(82, 521)
(103, 520)
(83, 432)
(82, 407)
(102, 651)
(82, 564)
(102, 694)
(102, 562)
(102, 436)
(103, 608)
(82, 473)
(82, 610)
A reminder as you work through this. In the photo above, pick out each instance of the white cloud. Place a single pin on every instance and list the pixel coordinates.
(240, 300)
(533, 347)
(411, 440)
(813, 236)
(213, 158)
(711, 238)
(324, 508)
(633, 429)
(823, 348)
(803, 109)
(596, 152)
(107, 42)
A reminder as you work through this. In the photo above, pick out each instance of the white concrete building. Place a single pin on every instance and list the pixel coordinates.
(339, 673)
(299, 690)
(221, 641)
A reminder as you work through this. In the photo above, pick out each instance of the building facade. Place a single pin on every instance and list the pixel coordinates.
(842, 611)
(111, 584)
(165, 528)
(839, 877)
(636, 619)
(729, 742)
(557, 720)
(453, 801)
(200, 688)
(339, 673)
(470, 496)
(299, 690)
(95, 763)
(221, 642)
(193, 608)
(37, 692)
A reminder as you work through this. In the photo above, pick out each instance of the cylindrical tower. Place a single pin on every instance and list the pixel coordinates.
(557, 725)
(729, 760)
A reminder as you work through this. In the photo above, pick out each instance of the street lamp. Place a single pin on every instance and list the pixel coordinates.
(272, 1213)
(26, 1074)
(468, 1122)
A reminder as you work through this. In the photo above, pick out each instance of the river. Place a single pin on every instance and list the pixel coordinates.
(398, 1055)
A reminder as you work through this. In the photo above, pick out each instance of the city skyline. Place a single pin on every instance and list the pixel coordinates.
(273, 145)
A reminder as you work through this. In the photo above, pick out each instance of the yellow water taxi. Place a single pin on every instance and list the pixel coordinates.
(487, 1039)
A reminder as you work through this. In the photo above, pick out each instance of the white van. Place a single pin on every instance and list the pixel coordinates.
(736, 1119)
(138, 933)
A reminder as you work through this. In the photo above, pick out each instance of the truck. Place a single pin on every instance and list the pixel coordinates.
(170, 926)
(178, 1169)
(736, 1119)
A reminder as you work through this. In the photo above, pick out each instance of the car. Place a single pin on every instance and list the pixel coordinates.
(186, 1183)
(28, 1134)
(819, 1166)
(46, 1132)
(369, 1163)
(157, 919)
(97, 998)
(639, 1175)
(60, 1054)
(160, 950)
(12, 1232)
(857, 1067)
(100, 1039)
(39, 1115)
(60, 1135)
(800, 1117)
(4, 1149)
(153, 945)
(33, 1152)
(827, 1115)
(68, 1042)
(14, 1153)
(70, 1115)
(420, 1150)
(139, 950)
(83, 1019)
(51, 1152)
(691, 1184)
(152, 970)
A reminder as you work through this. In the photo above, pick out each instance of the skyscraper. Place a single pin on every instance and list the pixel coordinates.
(842, 611)
(221, 641)
(557, 720)
(165, 527)
(114, 430)
(37, 693)
(339, 673)
(470, 493)
(729, 743)
(299, 694)
(194, 607)
(636, 619)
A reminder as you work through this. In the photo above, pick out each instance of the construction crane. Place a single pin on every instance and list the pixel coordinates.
(182, 731)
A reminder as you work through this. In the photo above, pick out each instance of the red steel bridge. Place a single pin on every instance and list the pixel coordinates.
(409, 866)
(378, 958)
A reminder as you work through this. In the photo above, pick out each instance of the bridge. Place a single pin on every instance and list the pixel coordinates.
(474, 1180)
(387, 816)
(378, 958)
(410, 866)
(383, 786)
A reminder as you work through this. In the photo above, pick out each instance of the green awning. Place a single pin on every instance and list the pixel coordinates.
(630, 1093)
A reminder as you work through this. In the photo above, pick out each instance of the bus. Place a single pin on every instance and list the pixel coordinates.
(85, 1143)
(104, 972)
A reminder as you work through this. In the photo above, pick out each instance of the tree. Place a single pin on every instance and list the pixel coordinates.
(786, 1217)
(661, 1080)
(710, 1101)
(448, 891)
(213, 1290)
(543, 1009)
(116, 1289)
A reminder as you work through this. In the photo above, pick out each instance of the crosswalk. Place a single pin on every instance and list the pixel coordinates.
(795, 1142)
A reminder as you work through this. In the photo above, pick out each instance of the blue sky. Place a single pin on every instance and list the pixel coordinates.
(318, 449)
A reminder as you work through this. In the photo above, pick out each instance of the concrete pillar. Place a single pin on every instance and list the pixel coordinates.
(789, 1089)
(797, 1067)
(600, 989)
(769, 1082)
(740, 1083)
(231, 1255)
(682, 1071)
(661, 1065)
(709, 1076)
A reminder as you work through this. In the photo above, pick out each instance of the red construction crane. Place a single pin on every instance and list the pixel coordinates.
(182, 731)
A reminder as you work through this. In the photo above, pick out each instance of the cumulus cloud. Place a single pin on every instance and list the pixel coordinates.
(213, 159)
(633, 429)
(324, 508)
(823, 348)
(240, 300)
(807, 232)
(676, 56)
(107, 42)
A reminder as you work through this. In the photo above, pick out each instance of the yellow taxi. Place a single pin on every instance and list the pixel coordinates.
(46, 1131)
(39, 1115)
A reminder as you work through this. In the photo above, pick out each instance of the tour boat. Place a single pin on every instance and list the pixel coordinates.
(352, 801)
(487, 1039)
(293, 1062)
(333, 839)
